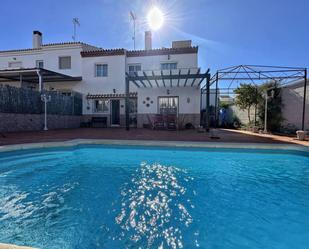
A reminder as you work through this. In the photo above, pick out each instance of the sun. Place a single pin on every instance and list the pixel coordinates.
(155, 18)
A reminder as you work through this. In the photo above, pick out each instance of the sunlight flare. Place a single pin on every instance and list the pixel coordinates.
(155, 18)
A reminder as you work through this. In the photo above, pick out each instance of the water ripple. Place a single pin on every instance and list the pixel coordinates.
(155, 207)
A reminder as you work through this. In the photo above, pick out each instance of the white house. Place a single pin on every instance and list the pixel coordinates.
(100, 76)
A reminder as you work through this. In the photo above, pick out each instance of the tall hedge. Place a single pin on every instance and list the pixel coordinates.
(24, 100)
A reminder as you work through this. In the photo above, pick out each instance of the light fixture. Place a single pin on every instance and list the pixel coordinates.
(155, 18)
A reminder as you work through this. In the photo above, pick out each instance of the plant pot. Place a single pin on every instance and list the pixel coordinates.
(301, 135)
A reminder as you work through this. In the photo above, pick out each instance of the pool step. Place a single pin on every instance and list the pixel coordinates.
(11, 246)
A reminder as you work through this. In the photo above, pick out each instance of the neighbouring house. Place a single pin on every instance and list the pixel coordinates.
(234, 112)
(292, 110)
(100, 76)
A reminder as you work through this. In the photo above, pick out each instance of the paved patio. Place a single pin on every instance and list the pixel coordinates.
(218, 135)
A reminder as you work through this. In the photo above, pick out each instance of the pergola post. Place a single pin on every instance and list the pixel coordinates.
(304, 101)
(21, 80)
(201, 106)
(216, 101)
(207, 111)
(127, 110)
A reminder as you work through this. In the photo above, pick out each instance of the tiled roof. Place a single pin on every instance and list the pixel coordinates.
(92, 51)
(103, 52)
(136, 53)
(162, 51)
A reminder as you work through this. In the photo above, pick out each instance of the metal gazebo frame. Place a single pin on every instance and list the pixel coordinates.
(255, 74)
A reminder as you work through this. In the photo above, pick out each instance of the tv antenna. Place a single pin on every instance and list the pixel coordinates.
(133, 18)
(75, 24)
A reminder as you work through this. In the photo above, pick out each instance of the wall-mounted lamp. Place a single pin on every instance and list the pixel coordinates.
(168, 56)
(168, 91)
(114, 90)
(188, 100)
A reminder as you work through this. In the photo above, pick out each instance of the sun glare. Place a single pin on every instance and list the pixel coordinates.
(155, 18)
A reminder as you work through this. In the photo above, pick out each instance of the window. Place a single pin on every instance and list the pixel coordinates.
(168, 66)
(135, 68)
(101, 105)
(65, 62)
(39, 64)
(101, 70)
(15, 64)
(168, 105)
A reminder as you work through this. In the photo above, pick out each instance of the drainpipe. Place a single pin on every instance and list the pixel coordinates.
(40, 80)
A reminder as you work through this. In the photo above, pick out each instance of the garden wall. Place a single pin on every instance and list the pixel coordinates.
(22, 109)
(292, 99)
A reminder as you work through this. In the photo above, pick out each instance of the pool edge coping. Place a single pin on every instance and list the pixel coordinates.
(13, 246)
(148, 143)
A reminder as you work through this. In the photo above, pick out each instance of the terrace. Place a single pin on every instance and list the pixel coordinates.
(215, 136)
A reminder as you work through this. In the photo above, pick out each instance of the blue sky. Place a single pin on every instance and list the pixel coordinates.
(228, 32)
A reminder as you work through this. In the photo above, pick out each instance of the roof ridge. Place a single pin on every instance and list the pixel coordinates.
(46, 45)
(67, 43)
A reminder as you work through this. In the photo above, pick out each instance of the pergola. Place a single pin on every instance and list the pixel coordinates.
(34, 75)
(256, 75)
(189, 77)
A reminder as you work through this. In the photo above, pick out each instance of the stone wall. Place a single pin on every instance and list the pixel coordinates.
(12, 122)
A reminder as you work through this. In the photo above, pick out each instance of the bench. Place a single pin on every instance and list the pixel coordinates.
(99, 122)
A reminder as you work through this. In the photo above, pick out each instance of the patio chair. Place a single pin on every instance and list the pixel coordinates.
(171, 122)
(158, 123)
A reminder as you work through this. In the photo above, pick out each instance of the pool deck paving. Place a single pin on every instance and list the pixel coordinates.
(214, 136)
(11, 246)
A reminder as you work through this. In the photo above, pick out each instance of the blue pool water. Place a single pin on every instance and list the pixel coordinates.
(133, 197)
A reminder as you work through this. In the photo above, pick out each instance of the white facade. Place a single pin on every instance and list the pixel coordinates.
(84, 59)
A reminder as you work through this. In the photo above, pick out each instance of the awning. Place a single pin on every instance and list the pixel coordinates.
(111, 95)
(185, 77)
(30, 75)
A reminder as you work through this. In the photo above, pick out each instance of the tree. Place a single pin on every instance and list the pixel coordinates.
(247, 96)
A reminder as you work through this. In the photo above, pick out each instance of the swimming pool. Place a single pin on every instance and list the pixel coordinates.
(154, 197)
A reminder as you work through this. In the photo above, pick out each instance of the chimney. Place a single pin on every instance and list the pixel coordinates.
(148, 40)
(37, 39)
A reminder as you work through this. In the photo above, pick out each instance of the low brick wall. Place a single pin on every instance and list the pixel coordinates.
(87, 118)
(183, 119)
(10, 122)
